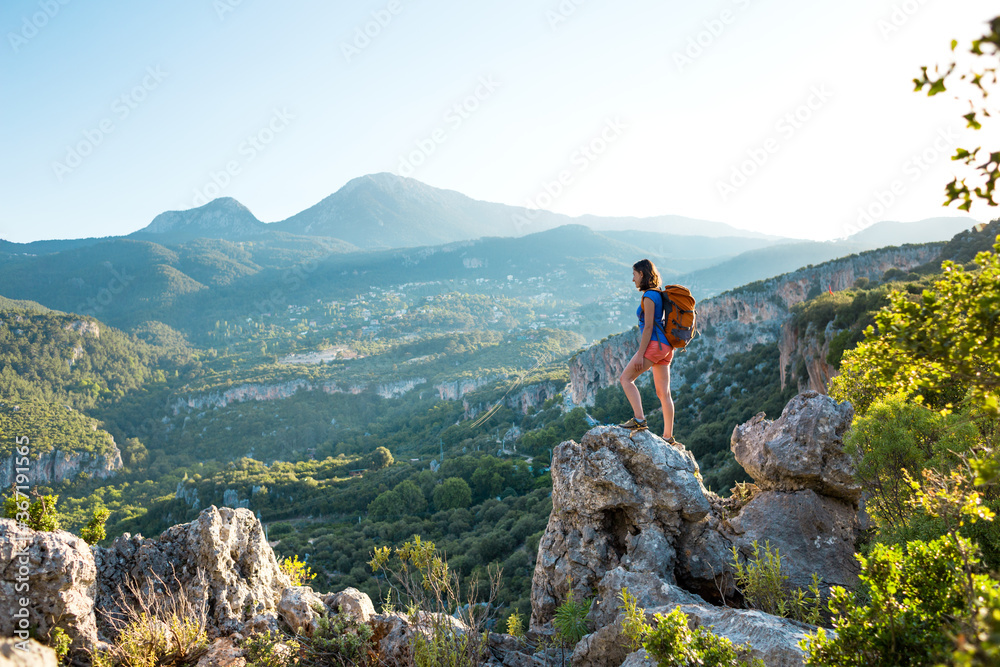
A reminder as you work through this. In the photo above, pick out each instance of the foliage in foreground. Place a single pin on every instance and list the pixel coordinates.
(673, 644)
(419, 576)
(764, 586)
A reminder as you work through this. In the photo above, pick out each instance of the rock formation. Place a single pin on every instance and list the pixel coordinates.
(629, 510)
(53, 572)
(57, 465)
(221, 560)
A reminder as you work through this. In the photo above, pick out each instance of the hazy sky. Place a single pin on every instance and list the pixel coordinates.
(113, 112)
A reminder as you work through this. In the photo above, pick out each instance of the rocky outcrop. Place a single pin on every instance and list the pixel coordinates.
(812, 349)
(15, 653)
(300, 608)
(600, 365)
(630, 511)
(57, 465)
(802, 449)
(523, 400)
(456, 389)
(397, 389)
(737, 320)
(808, 503)
(616, 500)
(220, 560)
(46, 581)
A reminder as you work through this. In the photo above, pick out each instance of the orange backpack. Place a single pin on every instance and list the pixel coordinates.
(678, 322)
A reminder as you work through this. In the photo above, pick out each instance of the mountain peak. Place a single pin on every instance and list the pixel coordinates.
(222, 218)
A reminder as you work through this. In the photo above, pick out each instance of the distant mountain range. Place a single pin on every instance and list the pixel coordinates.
(380, 230)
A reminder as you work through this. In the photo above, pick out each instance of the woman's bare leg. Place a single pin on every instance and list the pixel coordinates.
(627, 380)
(661, 378)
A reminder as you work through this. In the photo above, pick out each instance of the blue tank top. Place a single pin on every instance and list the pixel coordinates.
(657, 299)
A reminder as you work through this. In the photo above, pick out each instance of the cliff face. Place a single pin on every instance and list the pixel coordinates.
(738, 320)
(56, 465)
(811, 349)
(532, 396)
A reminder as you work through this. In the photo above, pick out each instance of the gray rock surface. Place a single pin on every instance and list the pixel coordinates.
(617, 500)
(813, 533)
(221, 560)
(802, 449)
(54, 572)
(352, 602)
(300, 608)
(14, 653)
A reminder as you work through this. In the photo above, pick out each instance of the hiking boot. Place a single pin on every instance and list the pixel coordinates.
(635, 424)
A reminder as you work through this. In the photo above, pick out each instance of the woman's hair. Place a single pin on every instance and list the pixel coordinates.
(650, 276)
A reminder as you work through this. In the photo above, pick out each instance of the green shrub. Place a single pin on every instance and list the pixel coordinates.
(673, 644)
(634, 624)
(270, 649)
(38, 515)
(918, 602)
(570, 620)
(60, 643)
(94, 531)
(763, 585)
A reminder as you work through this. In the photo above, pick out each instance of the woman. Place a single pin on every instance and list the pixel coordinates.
(654, 352)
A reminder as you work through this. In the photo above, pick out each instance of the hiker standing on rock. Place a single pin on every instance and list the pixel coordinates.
(654, 352)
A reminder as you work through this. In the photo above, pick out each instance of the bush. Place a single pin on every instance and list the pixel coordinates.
(673, 644)
(270, 649)
(763, 585)
(38, 515)
(299, 573)
(919, 597)
(570, 620)
(94, 531)
(453, 493)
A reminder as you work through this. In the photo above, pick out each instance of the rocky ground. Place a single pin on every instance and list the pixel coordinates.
(628, 511)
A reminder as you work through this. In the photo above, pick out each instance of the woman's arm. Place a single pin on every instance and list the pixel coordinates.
(648, 312)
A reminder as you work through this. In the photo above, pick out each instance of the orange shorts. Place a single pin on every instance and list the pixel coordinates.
(659, 353)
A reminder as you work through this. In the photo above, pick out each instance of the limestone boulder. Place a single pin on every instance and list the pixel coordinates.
(618, 499)
(221, 562)
(15, 652)
(802, 449)
(812, 533)
(300, 608)
(352, 602)
(54, 573)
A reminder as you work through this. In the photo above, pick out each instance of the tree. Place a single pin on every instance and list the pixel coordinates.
(387, 504)
(453, 493)
(982, 76)
(381, 458)
(411, 496)
(934, 348)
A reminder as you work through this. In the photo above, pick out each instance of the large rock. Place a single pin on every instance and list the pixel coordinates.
(301, 609)
(618, 499)
(813, 533)
(774, 640)
(220, 560)
(26, 653)
(54, 573)
(351, 602)
(802, 449)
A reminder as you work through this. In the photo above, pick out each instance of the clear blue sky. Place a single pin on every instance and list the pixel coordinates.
(184, 85)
